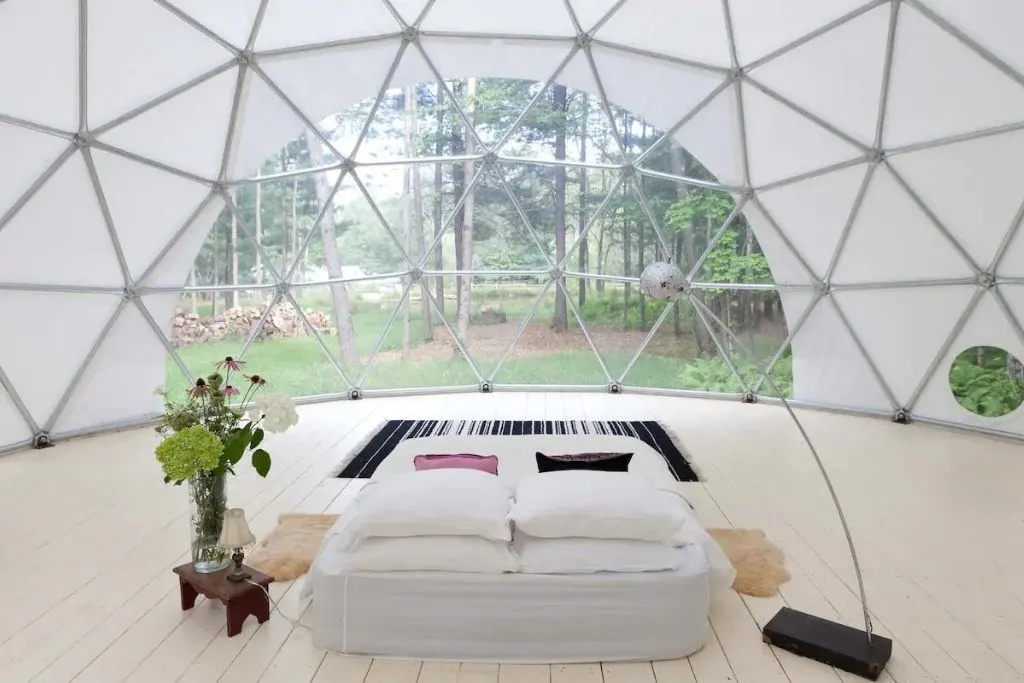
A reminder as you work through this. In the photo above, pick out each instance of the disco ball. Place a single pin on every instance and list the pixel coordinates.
(662, 280)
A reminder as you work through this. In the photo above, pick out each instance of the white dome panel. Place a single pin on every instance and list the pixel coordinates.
(41, 360)
(712, 136)
(534, 59)
(662, 91)
(939, 87)
(232, 20)
(812, 213)
(131, 349)
(786, 266)
(294, 23)
(502, 17)
(904, 329)
(13, 427)
(993, 23)
(988, 171)
(128, 68)
(39, 62)
(35, 153)
(47, 243)
(173, 268)
(187, 132)
(836, 76)
(147, 206)
(987, 326)
(893, 240)
(782, 143)
(763, 27)
(698, 29)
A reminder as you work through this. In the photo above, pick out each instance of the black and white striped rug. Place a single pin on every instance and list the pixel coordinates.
(381, 444)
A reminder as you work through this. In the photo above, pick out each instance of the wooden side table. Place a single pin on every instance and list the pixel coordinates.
(241, 598)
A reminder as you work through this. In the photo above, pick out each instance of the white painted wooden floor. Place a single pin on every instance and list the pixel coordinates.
(89, 535)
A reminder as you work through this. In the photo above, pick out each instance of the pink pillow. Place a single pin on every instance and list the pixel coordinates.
(469, 461)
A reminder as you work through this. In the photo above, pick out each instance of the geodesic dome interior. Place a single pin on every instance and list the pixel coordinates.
(870, 149)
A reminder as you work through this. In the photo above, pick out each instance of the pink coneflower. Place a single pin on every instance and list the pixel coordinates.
(230, 363)
(201, 388)
(257, 380)
(230, 391)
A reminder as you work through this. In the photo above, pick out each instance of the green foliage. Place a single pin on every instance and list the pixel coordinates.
(987, 382)
(607, 308)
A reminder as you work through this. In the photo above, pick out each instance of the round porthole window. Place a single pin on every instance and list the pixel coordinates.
(987, 381)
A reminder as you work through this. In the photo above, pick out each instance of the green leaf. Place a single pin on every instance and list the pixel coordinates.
(261, 461)
(236, 446)
(257, 438)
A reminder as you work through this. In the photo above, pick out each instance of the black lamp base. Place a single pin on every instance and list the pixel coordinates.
(827, 642)
(237, 573)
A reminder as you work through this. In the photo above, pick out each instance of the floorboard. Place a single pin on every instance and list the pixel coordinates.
(91, 534)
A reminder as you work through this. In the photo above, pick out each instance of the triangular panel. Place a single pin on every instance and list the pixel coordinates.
(410, 10)
(579, 75)
(186, 132)
(13, 427)
(292, 23)
(41, 38)
(435, 363)
(44, 243)
(700, 33)
(813, 212)
(762, 28)
(975, 188)
(175, 265)
(663, 92)
(782, 143)
(903, 329)
(501, 17)
(41, 360)
(934, 72)
(988, 326)
(232, 20)
(34, 152)
(893, 240)
(732, 255)
(993, 23)
(829, 368)
(535, 60)
(265, 123)
(147, 206)
(131, 349)
(836, 76)
(358, 72)
(786, 267)
(712, 136)
(128, 68)
(777, 369)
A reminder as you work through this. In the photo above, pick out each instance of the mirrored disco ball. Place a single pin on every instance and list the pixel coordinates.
(662, 280)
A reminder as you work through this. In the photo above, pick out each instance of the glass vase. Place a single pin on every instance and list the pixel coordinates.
(208, 502)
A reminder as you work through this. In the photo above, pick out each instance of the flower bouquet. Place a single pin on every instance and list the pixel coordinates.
(207, 435)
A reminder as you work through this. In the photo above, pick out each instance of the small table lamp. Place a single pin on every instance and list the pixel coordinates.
(235, 535)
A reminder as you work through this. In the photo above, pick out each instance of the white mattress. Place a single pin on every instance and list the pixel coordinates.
(517, 454)
(528, 618)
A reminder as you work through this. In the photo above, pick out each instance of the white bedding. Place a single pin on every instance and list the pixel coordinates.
(512, 617)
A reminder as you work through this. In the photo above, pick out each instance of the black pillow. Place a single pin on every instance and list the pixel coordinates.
(601, 462)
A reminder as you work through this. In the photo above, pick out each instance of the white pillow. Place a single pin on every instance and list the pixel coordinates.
(443, 502)
(596, 504)
(470, 554)
(590, 555)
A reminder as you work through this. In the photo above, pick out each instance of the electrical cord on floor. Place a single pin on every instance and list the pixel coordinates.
(293, 622)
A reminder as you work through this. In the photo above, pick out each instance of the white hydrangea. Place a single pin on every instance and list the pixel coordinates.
(278, 411)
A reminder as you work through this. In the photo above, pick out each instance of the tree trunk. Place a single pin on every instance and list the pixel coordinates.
(407, 219)
(418, 245)
(233, 251)
(689, 251)
(583, 248)
(626, 264)
(465, 293)
(640, 240)
(677, 322)
(193, 296)
(458, 147)
(599, 284)
(295, 230)
(258, 228)
(561, 322)
(439, 203)
(332, 259)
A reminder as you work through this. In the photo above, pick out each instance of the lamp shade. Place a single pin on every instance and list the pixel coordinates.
(235, 533)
